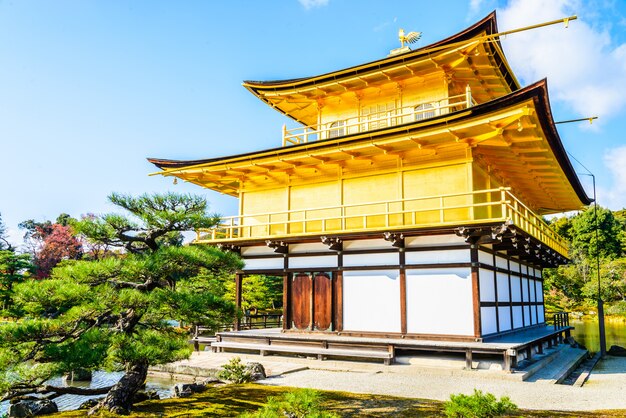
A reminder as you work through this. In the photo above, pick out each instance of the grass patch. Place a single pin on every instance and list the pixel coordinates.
(234, 400)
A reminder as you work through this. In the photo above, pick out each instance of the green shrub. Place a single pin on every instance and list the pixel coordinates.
(300, 403)
(478, 405)
(235, 371)
(617, 308)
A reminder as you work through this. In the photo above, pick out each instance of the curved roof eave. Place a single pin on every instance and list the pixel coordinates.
(488, 25)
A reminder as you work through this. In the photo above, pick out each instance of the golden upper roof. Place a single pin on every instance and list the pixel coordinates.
(470, 57)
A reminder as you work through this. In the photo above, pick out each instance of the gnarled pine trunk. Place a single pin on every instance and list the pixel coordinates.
(120, 398)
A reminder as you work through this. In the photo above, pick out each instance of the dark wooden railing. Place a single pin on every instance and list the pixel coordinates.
(261, 321)
(206, 335)
(561, 320)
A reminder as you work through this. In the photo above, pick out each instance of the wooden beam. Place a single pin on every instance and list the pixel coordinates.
(338, 301)
(475, 290)
(286, 301)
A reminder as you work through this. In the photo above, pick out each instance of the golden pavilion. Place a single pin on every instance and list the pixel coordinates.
(408, 202)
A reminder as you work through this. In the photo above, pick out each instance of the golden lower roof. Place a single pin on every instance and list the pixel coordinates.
(513, 135)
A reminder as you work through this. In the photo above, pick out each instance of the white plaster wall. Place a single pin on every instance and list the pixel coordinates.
(525, 290)
(485, 258)
(366, 244)
(533, 315)
(313, 261)
(504, 315)
(540, 317)
(380, 259)
(433, 240)
(310, 247)
(502, 262)
(371, 301)
(487, 288)
(538, 273)
(516, 292)
(527, 316)
(514, 266)
(517, 317)
(439, 301)
(443, 256)
(539, 290)
(257, 250)
(532, 291)
(264, 263)
(503, 287)
(488, 320)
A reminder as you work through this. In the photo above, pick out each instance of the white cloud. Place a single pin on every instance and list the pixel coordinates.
(475, 5)
(615, 197)
(584, 66)
(310, 4)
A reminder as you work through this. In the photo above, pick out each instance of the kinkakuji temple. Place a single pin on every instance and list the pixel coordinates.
(405, 211)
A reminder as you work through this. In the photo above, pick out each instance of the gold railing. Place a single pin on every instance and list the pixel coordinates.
(471, 208)
(377, 120)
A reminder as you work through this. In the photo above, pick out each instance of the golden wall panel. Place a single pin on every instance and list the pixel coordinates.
(436, 181)
(265, 203)
(481, 180)
(364, 190)
(305, 202)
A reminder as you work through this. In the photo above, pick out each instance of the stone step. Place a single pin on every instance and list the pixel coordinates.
(321, 352)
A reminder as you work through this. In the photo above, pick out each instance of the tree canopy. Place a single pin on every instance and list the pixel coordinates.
(576, 284)
(116, 312)
(4, 242)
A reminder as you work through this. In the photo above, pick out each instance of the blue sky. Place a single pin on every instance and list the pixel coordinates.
(89, 89)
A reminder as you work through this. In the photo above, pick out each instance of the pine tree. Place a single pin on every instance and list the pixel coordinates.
(115, 312)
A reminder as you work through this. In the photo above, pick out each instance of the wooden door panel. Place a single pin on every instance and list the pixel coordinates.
(301, 301)
(322, 302)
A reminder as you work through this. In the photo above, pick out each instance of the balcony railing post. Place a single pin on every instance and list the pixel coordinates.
(284, 135)
(468, 96)
(441, 211)
(387, 214)
(503, 202)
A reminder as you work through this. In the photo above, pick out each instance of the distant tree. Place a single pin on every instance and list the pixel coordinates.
(563, 226)
(115, 312)
(13, 269)
(58, 245)
(577, 282)
(50, 243)
(610, 236)
(4, 242)
(92, 250)
(258, 291)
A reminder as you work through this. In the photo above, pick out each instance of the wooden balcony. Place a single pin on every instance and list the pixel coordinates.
(459, 209)
(377, 120)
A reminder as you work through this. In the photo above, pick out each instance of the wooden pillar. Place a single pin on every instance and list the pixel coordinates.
(338, 302)
(475, 290)
(403, 323)
(468, 359)
(286, 301)
(238, 291)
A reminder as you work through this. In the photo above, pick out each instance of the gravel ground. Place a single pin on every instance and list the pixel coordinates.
(605, 389)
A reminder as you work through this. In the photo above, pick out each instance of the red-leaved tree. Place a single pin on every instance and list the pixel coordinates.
(58, 243)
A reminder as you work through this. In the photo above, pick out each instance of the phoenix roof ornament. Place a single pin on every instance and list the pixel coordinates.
(409, 38)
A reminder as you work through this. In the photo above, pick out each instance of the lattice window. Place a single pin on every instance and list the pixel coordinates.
(380, 115)
(336, 129)
(423, 111)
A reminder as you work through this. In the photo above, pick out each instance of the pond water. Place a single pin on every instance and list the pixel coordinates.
(100, 379)
(587, 332)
